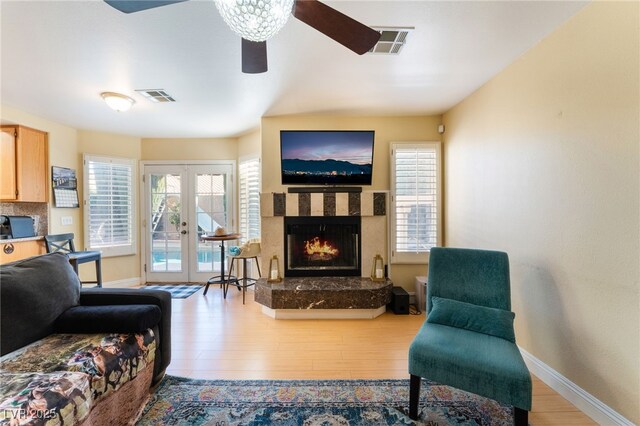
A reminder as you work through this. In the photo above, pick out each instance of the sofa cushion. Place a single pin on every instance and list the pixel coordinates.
(33, 293)
(485, 365)
(136, 296)
(110, 360)
(108, 319)
(491, 321)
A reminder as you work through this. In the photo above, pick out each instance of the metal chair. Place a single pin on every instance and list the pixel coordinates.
(251, 251)
(64, 243)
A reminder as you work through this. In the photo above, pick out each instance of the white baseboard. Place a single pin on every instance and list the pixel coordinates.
(127, 282)
(583, 400)
(323, 313)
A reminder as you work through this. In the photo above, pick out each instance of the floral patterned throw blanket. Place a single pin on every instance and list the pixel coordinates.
(56, 380)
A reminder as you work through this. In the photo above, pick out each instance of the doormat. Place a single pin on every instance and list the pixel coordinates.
(178, 291)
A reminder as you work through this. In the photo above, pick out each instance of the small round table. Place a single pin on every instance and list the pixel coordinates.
(221, 279)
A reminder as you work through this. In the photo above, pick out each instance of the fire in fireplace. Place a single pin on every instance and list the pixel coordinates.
(317, 251)
(322, 246)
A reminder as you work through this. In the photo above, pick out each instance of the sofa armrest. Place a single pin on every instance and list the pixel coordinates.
(123, 319)
(131, 296)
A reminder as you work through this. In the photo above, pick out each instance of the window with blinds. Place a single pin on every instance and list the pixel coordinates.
(249, 173)
(109, 200)
(415, 201)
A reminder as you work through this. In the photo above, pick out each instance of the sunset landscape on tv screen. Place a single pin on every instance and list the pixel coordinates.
(326, 157)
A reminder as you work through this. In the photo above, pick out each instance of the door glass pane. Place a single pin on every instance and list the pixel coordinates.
(166, 215)
(210, 204)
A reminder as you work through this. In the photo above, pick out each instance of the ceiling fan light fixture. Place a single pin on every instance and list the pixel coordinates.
(117, 101)
(255, 20)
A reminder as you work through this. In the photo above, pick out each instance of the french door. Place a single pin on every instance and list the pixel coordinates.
(184, 202)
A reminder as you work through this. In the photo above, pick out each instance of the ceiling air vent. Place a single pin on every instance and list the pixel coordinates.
(156, 95)
(392, 39)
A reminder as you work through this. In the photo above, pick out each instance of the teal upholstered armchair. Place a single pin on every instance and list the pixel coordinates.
(468, 340)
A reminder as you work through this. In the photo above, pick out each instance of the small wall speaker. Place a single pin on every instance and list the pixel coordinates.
(441, 128)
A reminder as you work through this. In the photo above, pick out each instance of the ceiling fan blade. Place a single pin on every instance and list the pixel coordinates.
(130, 6)
(254, 57)
(336, 25)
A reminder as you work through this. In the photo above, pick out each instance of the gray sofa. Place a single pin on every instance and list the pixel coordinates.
(77, 356)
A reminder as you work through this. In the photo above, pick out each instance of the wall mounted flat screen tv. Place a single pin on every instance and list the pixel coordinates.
(326, 157)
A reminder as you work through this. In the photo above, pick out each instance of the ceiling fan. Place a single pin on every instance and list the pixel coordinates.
(336, 25)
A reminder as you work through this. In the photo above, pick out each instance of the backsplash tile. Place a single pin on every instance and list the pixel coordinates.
(35, 210)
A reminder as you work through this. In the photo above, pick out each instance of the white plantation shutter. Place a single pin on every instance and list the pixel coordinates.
(109, 199)
(415, 201)
(249, 172)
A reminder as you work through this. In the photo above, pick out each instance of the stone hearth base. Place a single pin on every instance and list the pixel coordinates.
(323, 297)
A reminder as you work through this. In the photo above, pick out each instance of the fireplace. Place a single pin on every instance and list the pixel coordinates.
(317, 246)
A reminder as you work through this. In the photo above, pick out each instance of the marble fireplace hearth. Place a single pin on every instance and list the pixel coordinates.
(323, 297)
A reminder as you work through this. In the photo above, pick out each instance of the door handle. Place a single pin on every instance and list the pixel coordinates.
(184, 223)
(183, 231)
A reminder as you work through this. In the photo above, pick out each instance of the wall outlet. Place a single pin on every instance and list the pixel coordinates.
(67, 220)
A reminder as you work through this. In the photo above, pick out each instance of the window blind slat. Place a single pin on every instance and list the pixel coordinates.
(415, 189)
(110, 202)
(249, 174)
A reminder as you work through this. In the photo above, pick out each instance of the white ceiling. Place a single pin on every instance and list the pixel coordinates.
(57, 56)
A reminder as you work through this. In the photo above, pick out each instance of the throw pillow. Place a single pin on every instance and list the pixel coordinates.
(481, 319)
(34, 292)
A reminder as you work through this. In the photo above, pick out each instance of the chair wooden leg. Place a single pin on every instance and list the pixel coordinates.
(258, 266)
(414, 396)
(244, 278)
(74, 265)
(520, 417)
(229, 274)
(244, 271)
(99, 272)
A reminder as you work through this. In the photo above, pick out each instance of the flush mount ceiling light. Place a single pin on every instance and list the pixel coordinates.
(255, 20)
(117, 102)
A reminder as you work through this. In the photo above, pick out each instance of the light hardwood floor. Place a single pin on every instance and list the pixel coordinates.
(213, 338)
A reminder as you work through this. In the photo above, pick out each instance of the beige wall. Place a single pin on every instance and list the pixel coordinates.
(250, 144)
(112, 145)
(190, 149)
(388, 129)
(543, 163)
(63, 149)
(66, 146)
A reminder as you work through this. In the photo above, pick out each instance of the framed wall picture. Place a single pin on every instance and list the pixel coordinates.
(65, 187)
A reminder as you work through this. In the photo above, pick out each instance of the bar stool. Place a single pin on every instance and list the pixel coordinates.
(64, 243)
(250, 250)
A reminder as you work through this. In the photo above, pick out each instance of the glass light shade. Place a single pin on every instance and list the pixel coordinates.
(255, 20)
(117, 101)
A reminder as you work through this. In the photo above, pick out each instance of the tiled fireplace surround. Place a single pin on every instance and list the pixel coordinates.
(324, 297)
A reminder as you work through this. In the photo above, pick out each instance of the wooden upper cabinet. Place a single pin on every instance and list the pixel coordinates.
(27, 162)
(8, 185)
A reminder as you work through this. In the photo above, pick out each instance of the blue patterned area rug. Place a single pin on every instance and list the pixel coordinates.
(178, 291)
(182, 401)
